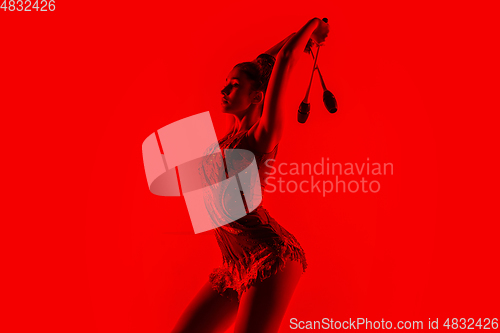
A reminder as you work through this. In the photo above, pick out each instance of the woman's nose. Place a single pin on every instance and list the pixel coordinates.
(224, 91)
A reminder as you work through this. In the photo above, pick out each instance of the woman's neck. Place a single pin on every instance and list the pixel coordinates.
(246, 122)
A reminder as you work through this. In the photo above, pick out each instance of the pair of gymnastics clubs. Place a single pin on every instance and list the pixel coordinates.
(328, 98)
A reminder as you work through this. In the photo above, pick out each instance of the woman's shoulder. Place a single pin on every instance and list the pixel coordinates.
(253, 146)
(244, 141)
(248, 144)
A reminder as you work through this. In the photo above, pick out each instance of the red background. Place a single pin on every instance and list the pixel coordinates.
(87, 247)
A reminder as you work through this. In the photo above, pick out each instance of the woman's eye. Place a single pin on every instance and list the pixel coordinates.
(231, 85)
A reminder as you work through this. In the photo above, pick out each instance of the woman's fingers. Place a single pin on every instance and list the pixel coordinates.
(321, 33)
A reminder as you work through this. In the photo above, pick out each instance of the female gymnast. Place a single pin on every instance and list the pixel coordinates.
(262, 262)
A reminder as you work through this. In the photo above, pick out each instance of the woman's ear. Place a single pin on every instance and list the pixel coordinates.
(259, 97)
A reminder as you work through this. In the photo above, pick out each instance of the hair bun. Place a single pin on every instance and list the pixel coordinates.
(266, 63)
(259, 70)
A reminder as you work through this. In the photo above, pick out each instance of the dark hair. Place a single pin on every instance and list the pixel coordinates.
(259, 71)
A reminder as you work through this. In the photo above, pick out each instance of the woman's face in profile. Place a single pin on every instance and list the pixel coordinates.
(237, 93)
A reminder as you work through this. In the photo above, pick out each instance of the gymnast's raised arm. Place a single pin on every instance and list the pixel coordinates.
(267, 133)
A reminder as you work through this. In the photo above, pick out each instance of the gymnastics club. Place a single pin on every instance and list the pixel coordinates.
(328, 98)
(305, 106)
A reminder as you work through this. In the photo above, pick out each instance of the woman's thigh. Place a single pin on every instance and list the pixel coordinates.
(263, 306)
(208, 312)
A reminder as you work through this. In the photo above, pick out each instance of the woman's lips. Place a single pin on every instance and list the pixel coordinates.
(224, 101)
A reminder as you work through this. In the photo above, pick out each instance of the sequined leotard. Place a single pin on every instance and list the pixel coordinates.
(256, 246)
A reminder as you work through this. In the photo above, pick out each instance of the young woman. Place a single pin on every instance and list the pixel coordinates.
(262, 262)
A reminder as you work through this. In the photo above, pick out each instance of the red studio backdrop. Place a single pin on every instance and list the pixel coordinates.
(88, 248)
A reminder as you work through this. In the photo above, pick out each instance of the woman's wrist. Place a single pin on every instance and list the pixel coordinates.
(301, 39)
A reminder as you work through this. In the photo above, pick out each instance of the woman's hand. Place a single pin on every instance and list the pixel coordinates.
(320, 34)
